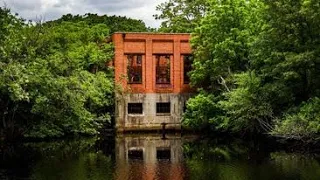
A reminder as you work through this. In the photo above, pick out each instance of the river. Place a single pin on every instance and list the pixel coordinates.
(152, 156)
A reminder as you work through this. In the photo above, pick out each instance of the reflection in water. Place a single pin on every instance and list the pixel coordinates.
(151, 157)
(297, 165)
(66, 159)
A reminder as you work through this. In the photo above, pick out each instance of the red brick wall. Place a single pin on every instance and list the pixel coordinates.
(149, 45)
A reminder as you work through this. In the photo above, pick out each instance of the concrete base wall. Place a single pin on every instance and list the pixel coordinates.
(149, 119)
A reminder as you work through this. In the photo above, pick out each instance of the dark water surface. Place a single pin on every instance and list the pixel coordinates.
(140, 157)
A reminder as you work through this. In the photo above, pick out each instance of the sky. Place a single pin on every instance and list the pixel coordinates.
(54, 9)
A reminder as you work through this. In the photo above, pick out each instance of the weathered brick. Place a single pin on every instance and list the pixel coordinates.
(151, 44)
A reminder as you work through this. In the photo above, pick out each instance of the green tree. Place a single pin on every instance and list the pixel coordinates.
(302, 122)
(12, 72)
(222, 42)
(181, 16)
(204, 111)
(288, 49)
(287, 57)
(222, 45)
(74, 87)
(261, 59)
(53, 78)
(114, 23)
(247, 107)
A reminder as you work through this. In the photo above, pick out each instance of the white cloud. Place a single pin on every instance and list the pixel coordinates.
(53, 9)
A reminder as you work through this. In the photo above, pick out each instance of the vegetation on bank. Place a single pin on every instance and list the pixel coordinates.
(53, 76)
(256, 66)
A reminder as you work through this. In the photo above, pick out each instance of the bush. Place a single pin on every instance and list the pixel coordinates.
(247, 107)
(203, 111)
(304, 122)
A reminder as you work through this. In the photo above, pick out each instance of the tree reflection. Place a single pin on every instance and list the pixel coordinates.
(152, 157)
(295, 165)
(237, 159)
(75, 159)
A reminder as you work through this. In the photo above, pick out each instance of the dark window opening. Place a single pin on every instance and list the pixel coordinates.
(135, 108)
(135, 154)
(134, 69)
(187, 67)
(163, 107)
(163, 154)
(163, 69)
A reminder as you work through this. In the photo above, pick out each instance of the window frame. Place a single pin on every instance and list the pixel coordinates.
(138, 60)
(129, 110)
(162, 112)
(135, 154)
(158, 69)
(163, 153)
(186, 78)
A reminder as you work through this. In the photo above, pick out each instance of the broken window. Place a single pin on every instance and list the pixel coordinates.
(163, 153)
(136, 154)
(134, 69)
(163, 69)
(135, 108)
(187, 67)
(163, 107)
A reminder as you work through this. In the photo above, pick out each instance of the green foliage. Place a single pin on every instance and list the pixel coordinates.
(246, 106)
(287, 57)
(222, 45)
(287, 51)
(114, 23)
(203, 110)
(261, 58)
(180, 16)
(69, 95)
(53, 78)
(302, 122)
(222, 42)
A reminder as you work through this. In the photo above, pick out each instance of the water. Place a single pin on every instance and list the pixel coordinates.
(136, 157)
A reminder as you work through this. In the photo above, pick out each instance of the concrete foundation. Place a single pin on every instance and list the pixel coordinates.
(150, 119)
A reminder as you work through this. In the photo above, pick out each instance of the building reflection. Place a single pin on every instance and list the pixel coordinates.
(149, 157)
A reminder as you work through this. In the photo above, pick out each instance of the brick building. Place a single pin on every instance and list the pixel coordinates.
(151, 73)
